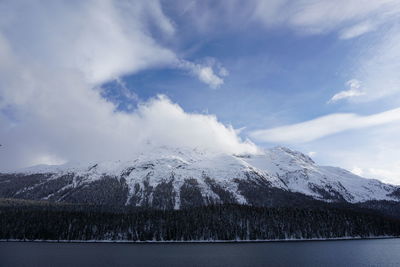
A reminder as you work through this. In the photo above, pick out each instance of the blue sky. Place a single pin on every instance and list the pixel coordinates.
(268, 73)
(315, 75)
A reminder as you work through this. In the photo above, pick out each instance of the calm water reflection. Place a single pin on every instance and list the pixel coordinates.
(382, 252)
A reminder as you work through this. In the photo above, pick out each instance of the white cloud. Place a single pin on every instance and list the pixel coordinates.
(81, 126)
(312, 153)
(374, 60)
(357, 30)
(354, 90)
(389, 175)
(377, 61)
(372, 153)
(205, 72)
(348, 18)
(55, 54)
(223, 72)
(376, 64)
(322, 16)
(357, 171)
(323, 126)
(378, 67)
(100, 39)
(54, 57)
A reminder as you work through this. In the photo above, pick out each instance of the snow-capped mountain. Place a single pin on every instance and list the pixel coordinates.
(178, 178)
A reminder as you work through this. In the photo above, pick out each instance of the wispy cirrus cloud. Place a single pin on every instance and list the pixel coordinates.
(378, 67)
(324, 126)
(376, 61)
(373, 27)
(357, 30)
(371, 152)
(349, 18)
(353, 91)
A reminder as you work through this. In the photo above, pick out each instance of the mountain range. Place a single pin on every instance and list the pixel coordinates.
(177, 178)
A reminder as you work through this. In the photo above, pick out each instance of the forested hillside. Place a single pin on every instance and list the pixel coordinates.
(46, 221)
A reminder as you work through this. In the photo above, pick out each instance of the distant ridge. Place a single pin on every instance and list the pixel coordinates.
(173, 178)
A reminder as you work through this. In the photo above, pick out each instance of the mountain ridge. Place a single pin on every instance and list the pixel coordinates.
(173, 178)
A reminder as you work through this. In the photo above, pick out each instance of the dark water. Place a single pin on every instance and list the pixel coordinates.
(382, 252)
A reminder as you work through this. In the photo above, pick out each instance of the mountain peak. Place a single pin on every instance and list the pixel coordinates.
(209, 176)
(293, 154)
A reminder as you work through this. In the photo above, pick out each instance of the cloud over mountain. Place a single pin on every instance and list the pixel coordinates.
(54, 57)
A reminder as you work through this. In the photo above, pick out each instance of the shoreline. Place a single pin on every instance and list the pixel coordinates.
(196, 241)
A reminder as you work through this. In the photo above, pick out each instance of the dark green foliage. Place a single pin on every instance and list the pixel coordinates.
(106, 191)
(259, 193)
(396, 193)
(49, 188)
(147, 191)
(384, 207)
(11, 184)
(190, 194)
(225, 196)
(327, 192)
(30, 220)
(136, 195)
(164, 196)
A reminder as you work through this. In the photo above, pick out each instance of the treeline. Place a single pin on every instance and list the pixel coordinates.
(222, 222)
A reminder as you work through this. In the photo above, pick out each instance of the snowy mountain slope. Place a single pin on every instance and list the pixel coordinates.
(177, 178)
(300, 174)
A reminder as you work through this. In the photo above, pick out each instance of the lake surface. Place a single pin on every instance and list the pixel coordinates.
(378, 252)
